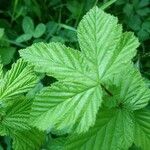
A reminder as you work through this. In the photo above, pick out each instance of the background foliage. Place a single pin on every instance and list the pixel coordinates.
(23, 22)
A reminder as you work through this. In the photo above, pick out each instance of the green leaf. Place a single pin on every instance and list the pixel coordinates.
(146, 26)
(1, 147)
(128, 90)
(134, 22)
(24, 37)
(143, 3)
(142, 128)
(75, 7)
(28, 25)
(18, 80)
(143, 11)
(113, 130)
(64, 104)
(31, 94)
(57, 60)
(143, 35)
(105, 51)
(7, 54)
(128, 9)
(28, 139)
(103, 44)
(57, 39)
(1, 72)
(15, 117)
(124, 52)
(1, 32)
(68, 35)
(94, 25)
(52, 28)
(39, 30)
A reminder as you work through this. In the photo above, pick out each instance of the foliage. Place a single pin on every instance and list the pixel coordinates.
(29, 31)
(15, 108)
(6, 51)
(98, 93)
(106, 87)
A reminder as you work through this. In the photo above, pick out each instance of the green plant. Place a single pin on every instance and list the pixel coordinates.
(15, 107)
(136, 16)
(100, 98)
(29, 31)
(6, 51)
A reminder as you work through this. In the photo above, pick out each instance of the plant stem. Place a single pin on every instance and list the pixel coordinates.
(67, 27)
(14, 9)
(107, 4)
(15, 43)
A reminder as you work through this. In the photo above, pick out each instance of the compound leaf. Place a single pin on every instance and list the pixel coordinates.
(105, 51)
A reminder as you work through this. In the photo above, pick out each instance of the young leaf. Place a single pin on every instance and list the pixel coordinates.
(64, 104)
(113, 130)
(104, 52)
(142, 128)
(18, 80)
(24, 37)
(28, 25)
(39, 30)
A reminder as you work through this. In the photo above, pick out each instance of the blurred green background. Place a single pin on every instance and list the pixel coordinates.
(23, 22)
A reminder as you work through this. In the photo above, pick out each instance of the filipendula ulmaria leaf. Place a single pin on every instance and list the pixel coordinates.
(115, 127)
(142, 128)
(15, 117)
(65, 103)
(113, 130)
(28, 139)
(18, 80)
(104, 52)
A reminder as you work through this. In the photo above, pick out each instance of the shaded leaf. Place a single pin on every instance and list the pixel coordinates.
(39, 30)
(24, 37)
(28, 25)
